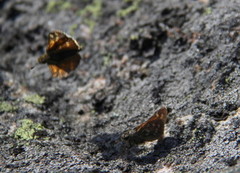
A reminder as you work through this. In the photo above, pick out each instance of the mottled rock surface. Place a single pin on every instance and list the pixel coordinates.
(138, 56)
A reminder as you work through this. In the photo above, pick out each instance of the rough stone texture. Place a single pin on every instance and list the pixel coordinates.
(181, 54)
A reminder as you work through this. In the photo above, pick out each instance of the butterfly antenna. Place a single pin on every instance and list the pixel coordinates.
(32, 67)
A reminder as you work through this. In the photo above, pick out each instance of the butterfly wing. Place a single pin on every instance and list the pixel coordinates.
(153, 128)
(150, 130)
(60, 43)
(62, 68)
(161, 114)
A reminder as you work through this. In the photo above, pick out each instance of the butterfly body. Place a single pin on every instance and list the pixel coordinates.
(61, 54)
(150, 130)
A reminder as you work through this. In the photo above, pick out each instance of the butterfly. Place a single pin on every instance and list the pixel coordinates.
(150, 130)
(61, 54)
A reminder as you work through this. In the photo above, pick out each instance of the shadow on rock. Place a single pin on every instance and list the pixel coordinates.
(112, 147)
(152, 155)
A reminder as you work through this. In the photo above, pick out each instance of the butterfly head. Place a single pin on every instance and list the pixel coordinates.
(43, 59)
(128, 134)
(130, 137)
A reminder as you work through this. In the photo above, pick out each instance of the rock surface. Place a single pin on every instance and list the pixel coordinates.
(138, 56)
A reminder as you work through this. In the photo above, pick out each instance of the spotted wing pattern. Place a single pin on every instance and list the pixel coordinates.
(59, 42)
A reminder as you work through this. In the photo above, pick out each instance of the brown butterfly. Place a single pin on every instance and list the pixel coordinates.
(61, 54)
(150, 130)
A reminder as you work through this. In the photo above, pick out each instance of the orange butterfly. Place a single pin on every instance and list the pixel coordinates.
(150, 130)
(61, 54)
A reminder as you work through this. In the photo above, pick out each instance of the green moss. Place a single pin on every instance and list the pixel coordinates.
(72, 28)
(134, 6)
(55, 5)
(107, 59)
(134, 37)
(6, 107)
(228, 80)
(208, 11)
(91, 13)
(90, 23)
(94, 9)
(27, 129)
(35, 98)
